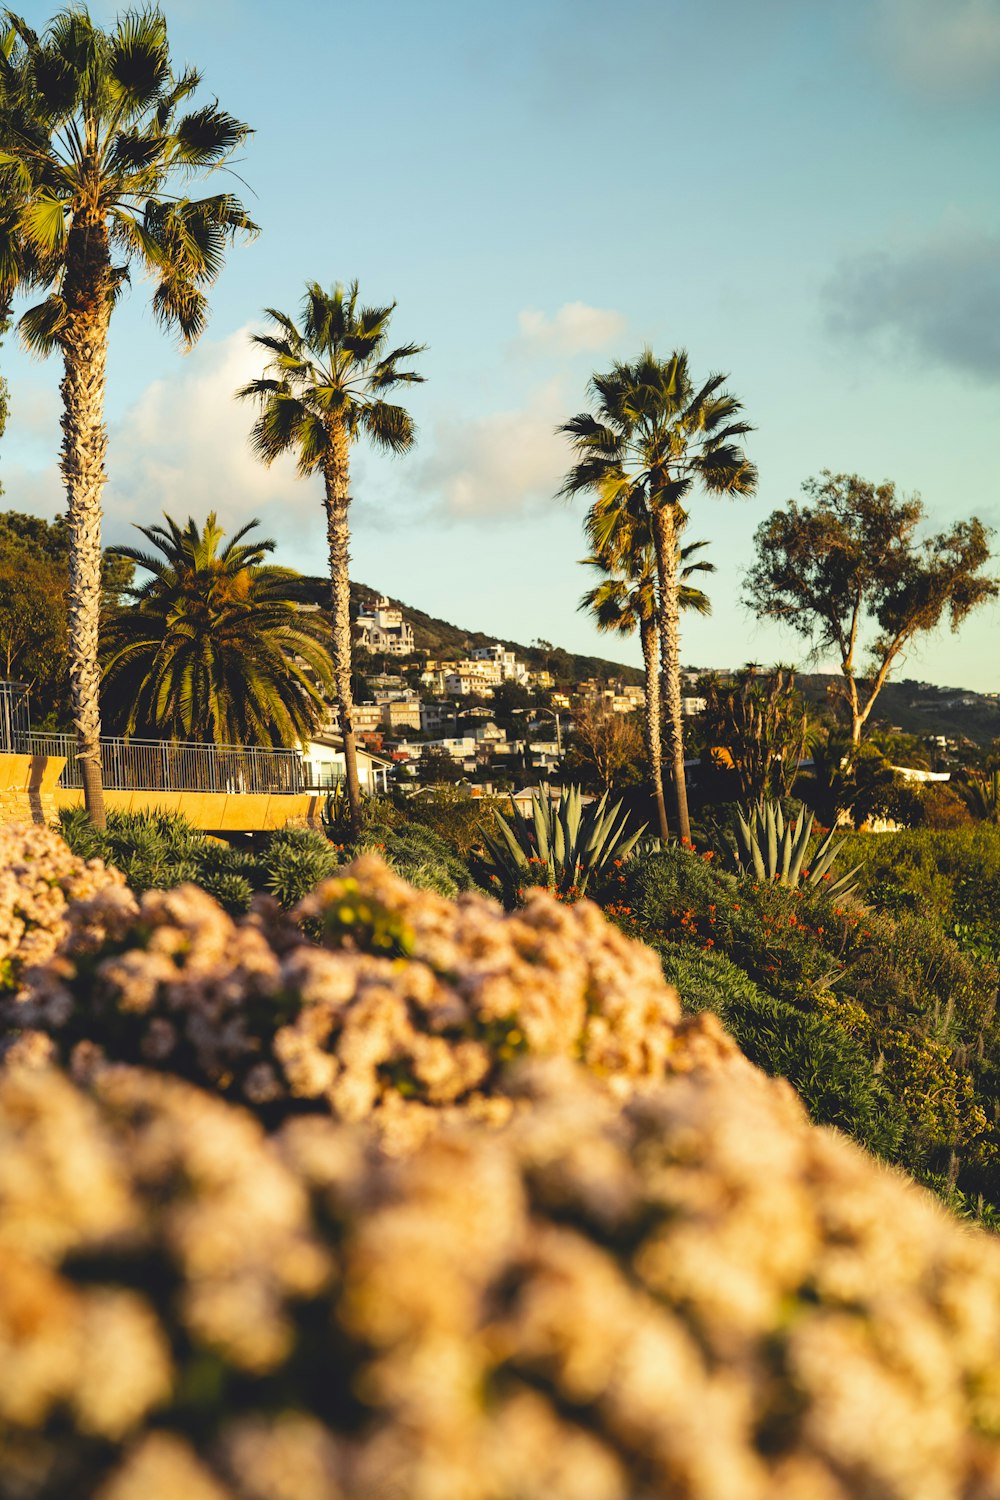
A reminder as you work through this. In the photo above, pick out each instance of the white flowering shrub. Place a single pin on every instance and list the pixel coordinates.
(371, 999)
(657, 1279)
(39, 877)
(697, 1294)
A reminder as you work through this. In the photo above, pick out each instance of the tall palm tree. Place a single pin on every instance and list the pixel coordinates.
(214, 647)
(625, 602)
(96, 153)
(652, 437)
(325, 389)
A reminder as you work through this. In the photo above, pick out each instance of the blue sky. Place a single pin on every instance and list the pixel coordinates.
(801, 193)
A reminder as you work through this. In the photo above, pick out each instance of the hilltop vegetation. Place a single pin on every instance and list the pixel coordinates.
(439, 638)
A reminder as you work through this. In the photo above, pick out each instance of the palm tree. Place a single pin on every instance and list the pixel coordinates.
(625, 602)
(652, 437)
(214, 647)
(95, 154)
(326, 389)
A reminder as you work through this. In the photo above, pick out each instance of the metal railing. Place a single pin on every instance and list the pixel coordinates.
(165, 766)
(14, 721)
(134, 765)
(323, 779)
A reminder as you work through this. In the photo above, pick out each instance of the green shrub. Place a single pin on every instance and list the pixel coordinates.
(950, 875)
(157, 851)
(836, 1080)
(767, 844)
(296, 859)
(920, 1010)
(566, 845)
(420, 855)
(455, 817)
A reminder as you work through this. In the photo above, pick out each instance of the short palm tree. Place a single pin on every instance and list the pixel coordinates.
(325, 389)
(214, 647)
(652, 436)
(626, 601)
(97, 147)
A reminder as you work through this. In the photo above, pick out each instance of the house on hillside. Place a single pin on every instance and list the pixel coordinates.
(382, 629)
(508, 668)
(471, 680)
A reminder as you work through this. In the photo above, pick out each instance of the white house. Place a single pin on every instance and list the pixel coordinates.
(323, 765)
(509, 669)
(470, 680)
(382, 630)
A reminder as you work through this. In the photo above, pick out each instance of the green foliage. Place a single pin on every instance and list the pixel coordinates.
(849, 572)
(94, 131)
(982, 796)
(154, 851)
(214, 647)
(231, 889)
(419, 855)
(760, 719)
(34, 634)
(455, 816)
(774, 848)
(897, 985)
(562, 846)
(950, 876)
(295, 860)
(857, 780)
(839, 1084)
(158, 851)
(652, 437)
(327, 380)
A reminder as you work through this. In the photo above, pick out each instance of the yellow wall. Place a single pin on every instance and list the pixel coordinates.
(216, 812)
(27, 787)
(29, 794)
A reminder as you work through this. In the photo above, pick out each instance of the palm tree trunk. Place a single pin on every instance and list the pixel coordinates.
(665, 536)
(84, 344)
(650, 636)
(337, 474)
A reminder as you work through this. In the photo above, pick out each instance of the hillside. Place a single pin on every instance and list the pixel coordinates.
(915, 707)
(920, 708)
(436, 637)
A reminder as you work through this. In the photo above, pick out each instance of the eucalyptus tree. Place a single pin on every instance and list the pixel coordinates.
(215, 646)
(651, 438)
(625, 602)
(850, 573)
(100, 140)
(324, 389)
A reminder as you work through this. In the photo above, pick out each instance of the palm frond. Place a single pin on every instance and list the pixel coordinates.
(138, 63)
(207, 136)
(39, 328)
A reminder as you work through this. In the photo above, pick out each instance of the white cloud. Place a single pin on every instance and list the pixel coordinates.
(182, 447)
(945, 48)
(500, 464)
(574, 329)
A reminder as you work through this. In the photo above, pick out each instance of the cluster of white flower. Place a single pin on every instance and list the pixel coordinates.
(39, 878)
(694, 1294)
(406, 1009)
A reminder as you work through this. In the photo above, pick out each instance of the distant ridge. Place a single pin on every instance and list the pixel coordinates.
(435, 637)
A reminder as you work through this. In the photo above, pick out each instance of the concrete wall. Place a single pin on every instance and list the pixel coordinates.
(28, 787)
(29, 794)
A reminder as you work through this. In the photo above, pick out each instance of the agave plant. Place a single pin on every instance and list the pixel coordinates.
(776, 849)
(563, 845)
(982, 797)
